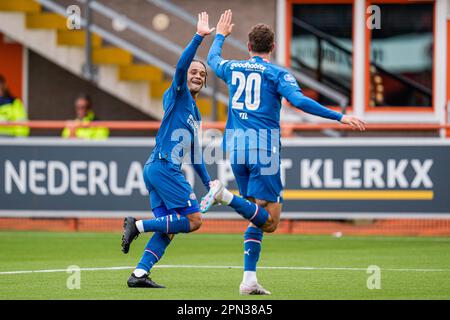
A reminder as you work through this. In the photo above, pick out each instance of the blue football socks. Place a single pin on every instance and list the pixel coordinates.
(170, 224)
(252, 247)
(154, 251)
(250, 211)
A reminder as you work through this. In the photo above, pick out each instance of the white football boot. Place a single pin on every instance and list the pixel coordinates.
(214, 196)
(256, 289)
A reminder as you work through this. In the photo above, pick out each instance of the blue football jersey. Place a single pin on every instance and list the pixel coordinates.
(181, 122)
(180, 126)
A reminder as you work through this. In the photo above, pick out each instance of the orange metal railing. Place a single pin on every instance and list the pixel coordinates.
(287, 127)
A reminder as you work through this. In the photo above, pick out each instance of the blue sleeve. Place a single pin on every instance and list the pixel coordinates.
(215, 61)
(288, 88)
(200, 168)
(186, 58)
(203, 174)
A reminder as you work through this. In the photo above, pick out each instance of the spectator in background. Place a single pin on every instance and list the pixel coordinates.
(84, 115)
(11, 109)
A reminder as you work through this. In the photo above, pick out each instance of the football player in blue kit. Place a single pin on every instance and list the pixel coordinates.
(172, 199)
(252, 137)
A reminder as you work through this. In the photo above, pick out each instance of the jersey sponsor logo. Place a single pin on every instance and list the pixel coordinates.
(248, 66)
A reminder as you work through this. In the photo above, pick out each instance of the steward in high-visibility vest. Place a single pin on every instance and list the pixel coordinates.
(11, 109)
(85, 115)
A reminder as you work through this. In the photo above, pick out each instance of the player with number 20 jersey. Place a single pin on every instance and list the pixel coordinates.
(252, 137)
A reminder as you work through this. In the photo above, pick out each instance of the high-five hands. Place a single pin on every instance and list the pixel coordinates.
(224, 26)
(203, 28)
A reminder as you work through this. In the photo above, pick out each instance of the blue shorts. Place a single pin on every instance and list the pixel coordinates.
(255, 179)
(168, 188)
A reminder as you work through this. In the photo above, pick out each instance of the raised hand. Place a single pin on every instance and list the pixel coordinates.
(224, 26)
(354, 122)
(203, 28)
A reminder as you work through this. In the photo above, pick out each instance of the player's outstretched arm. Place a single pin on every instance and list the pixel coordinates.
(223, 29)
(308, 105)
(188, 54)
(289, 89)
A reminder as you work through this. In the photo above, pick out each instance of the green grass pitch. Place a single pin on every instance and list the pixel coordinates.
(411, 268)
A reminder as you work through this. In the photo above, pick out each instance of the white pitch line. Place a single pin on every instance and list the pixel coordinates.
(64, 270)
(222, 267)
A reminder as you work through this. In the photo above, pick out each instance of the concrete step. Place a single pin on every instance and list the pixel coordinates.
(45, 20)
(43, 41)
(112, 55)
(140, 72)
(157, 89)
(28, 6)
(205, 107)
